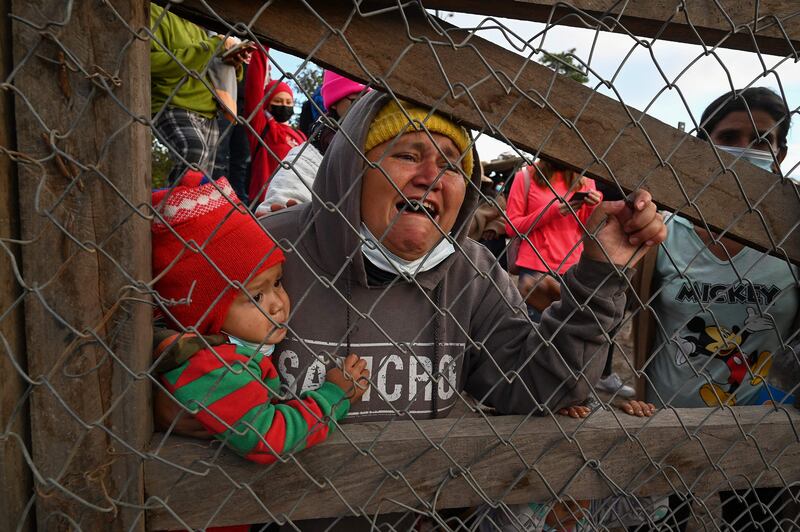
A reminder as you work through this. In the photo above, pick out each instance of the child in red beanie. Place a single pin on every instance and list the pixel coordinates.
(206, 247)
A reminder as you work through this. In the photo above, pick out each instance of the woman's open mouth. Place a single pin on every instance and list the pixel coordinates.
(424, 208)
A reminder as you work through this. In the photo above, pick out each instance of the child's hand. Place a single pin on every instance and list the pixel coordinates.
(576, 411)
(638, 408)
(352, 378)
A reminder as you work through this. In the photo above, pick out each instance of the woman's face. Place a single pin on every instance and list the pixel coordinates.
(420, 172)
(282, 98)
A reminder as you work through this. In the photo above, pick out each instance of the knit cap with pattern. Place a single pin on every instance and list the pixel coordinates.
(391, 122)
(203, 241)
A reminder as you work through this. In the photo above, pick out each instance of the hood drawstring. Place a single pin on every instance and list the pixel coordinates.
(347, 293)
(436, 324)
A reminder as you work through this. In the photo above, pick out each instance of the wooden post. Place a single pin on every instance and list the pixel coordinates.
(81, 82)
(15, 475)
(512, 97)
(455, 463)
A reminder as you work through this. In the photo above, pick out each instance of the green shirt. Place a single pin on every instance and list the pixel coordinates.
(193, 49)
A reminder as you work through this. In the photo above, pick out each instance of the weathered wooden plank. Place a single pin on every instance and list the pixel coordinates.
(712, 23)
(462, 462)
(15, 476)
(84, 172)
(524, 102)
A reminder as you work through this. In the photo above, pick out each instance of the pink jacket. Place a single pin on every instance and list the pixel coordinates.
(557, 238)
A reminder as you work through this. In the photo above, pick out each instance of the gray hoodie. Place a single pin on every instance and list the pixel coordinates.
(481, 341)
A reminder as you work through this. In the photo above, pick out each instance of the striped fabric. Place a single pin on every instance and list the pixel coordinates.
(233, 391)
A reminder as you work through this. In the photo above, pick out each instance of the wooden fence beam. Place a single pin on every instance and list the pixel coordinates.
(80, 85)
(15, 475)
(377, 466)
(506, 96)
(710, 23)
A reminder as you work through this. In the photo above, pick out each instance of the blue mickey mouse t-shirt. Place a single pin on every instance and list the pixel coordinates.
(718, 322)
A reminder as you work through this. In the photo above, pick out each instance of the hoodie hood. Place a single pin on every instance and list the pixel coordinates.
(334, 214)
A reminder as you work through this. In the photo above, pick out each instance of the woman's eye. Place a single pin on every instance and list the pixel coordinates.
(258, 297)
(405, 156)
(278, 283)
(449, 169)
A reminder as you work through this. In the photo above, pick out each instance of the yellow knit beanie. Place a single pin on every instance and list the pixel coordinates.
(391, 122)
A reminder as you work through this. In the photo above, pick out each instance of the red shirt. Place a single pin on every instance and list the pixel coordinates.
(557, 238)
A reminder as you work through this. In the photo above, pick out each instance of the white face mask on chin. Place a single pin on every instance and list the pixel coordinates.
(760, 158)
(387, 261)
(264, 349)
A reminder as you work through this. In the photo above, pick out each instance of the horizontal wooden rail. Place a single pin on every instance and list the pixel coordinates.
(709, 23)
(379, 467)
(524, 103)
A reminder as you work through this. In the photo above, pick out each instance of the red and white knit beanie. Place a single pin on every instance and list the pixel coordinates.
(217, 243)
(336, 87)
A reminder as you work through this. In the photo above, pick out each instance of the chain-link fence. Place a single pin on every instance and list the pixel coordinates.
(178, 358)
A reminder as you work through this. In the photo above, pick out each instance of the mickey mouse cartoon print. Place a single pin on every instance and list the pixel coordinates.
(713, 340)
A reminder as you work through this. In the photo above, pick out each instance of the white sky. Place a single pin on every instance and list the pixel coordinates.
(634, 71)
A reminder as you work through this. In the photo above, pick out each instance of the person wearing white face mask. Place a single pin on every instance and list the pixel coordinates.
(726, 312)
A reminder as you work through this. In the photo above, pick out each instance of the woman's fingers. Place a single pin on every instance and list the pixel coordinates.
(641, 218)
(645, 224)
(575, 411)
(639, 408)
(639, 199)
(278, 206)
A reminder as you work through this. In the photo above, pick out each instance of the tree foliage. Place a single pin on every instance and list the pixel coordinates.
(565, 64)
(307, 80)
(161, 164)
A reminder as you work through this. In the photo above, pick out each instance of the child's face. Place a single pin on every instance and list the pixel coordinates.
(247, 316)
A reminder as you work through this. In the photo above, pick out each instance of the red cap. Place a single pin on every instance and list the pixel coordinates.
(274, 87)
(219, 243)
